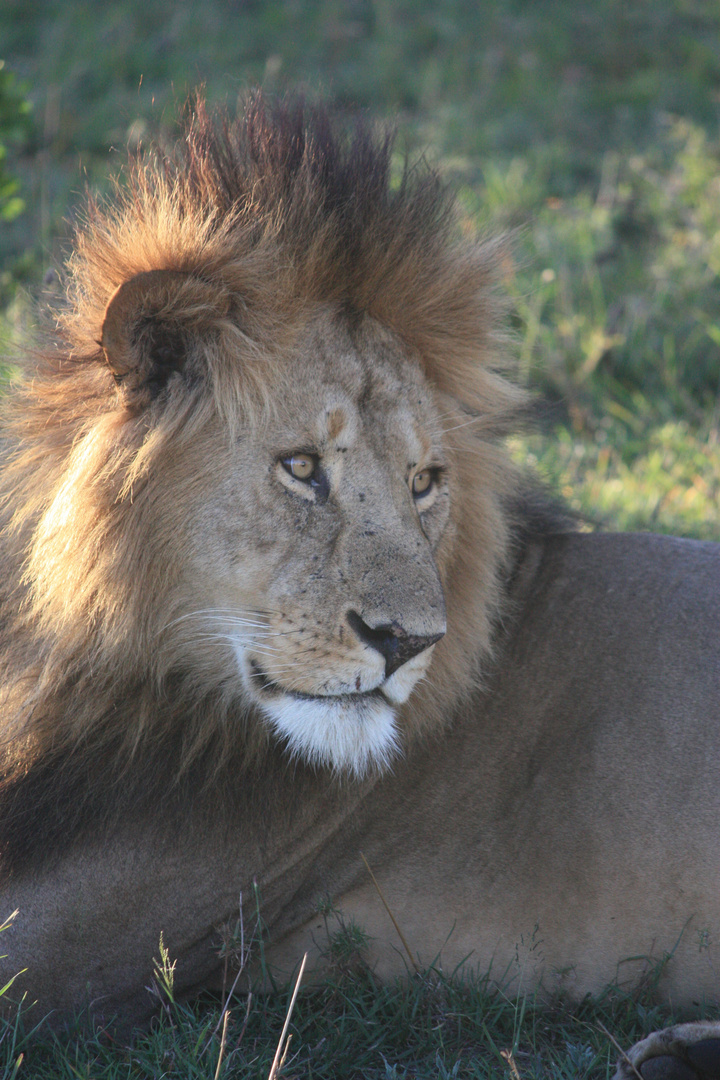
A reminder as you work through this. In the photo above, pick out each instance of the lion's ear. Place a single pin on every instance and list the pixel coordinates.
(151, 324)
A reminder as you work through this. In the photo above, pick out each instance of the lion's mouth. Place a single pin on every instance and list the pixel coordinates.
(347, 732)
(269, 688)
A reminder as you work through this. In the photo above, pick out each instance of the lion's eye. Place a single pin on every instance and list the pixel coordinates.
(301, 466)
(422, 482)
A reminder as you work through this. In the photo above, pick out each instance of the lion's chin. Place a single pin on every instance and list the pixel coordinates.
(352, 733)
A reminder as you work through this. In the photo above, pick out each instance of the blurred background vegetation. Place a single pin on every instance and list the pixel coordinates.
(588, 126)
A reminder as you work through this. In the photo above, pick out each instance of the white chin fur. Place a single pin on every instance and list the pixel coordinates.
(348, 734)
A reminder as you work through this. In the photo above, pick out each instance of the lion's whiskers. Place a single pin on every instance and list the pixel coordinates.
(228, 616)
(465, 423)
(232, 639)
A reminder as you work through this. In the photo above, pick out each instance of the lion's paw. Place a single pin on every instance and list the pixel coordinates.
(683, 1052)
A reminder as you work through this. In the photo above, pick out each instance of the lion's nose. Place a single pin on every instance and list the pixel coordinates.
(391, 641)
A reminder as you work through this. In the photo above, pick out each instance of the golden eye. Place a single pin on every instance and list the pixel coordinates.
(422, 482)
(301, 466)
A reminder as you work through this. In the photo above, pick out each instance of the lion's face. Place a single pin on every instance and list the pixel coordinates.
(314, 552)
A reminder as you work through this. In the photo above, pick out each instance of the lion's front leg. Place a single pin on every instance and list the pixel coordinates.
(683, 1052)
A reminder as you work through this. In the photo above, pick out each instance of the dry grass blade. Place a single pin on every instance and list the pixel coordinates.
(392, 917)
(222, 1044)
(227, 999)
(245, 1021)
(222, 1019)
(619, 1049)
(507, 1054)
(279, 1055)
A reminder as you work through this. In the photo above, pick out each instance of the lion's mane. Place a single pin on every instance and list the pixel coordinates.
(269, 215)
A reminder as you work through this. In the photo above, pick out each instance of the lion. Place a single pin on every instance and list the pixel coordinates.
(273, 593)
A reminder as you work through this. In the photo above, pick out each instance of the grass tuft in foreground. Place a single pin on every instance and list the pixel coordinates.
(429, 1025)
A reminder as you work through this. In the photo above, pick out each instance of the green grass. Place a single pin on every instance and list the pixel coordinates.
(589, 128)
(617, 317)
(429, 1025)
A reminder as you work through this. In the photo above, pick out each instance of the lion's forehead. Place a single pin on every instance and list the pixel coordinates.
(359, 385)
(375, 420)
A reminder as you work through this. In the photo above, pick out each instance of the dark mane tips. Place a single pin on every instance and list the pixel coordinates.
(301, 172)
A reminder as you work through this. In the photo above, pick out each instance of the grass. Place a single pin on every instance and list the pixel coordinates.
(617, 314)
(429, 1025)
(589, 128)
